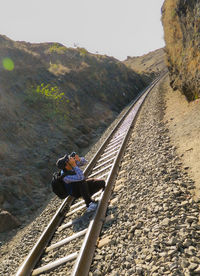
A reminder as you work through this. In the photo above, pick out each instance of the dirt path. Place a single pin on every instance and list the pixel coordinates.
(183, 121)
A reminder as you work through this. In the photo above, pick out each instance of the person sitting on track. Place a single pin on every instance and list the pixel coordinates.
(75, 182)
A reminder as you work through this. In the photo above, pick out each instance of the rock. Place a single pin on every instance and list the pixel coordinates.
(97, 273)
(163, 254)
(184, 203)
(197, 270)
(7, 221)
(104, 241)
(165, 222)
(171, 241)
(187, 243)
(185, 263)
(190, 219)
(172, 251)
(114, 273)
(190, 251)
(98, 257)
(192, 266)
(139, 270)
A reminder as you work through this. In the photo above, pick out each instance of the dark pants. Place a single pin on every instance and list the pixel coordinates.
(87, 188)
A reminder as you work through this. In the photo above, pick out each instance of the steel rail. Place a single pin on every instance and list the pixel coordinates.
(44, 239)
(35, 254)
(84, 259)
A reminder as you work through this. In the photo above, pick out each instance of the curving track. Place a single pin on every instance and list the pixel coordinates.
(51, 254)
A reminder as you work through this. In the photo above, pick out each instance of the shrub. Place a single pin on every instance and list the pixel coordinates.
(57, 49)
(82, 51)
(48, 98)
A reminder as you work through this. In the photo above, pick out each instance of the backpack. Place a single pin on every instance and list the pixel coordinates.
(57, 185)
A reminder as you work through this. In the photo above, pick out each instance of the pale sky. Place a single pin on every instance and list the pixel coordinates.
(117, 28)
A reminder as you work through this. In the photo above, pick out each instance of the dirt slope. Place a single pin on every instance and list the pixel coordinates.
(183, 120)
(151, 64)
(53, 100)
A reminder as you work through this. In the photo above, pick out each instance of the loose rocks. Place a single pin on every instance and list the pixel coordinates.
(156, 230)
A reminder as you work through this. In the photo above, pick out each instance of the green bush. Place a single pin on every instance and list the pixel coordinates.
(83, 52)
(48, 99)
(57, 49)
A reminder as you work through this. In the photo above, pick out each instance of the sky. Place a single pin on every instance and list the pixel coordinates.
(117, 28)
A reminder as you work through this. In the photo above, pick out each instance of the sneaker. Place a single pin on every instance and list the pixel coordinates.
(92, 206)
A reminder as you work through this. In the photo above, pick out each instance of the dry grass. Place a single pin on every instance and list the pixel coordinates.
(58, 69)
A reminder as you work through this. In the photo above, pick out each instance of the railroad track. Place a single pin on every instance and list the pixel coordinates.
(51, 254)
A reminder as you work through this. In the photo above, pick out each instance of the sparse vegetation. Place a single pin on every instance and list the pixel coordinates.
(82, 51)
(49, 98)
(57, 49)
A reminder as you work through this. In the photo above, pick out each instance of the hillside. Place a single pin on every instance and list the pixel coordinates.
(181, 22)
(151, 64)
(53, 100)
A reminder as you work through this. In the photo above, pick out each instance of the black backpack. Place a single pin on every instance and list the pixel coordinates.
(57, 185)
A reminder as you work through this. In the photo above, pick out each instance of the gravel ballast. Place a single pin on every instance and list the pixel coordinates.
(152, 226)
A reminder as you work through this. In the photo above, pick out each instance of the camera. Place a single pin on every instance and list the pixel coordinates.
(73, 154)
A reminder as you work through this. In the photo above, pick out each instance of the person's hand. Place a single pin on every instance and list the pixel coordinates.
(68, 167)
(72, 161)
(77, 158)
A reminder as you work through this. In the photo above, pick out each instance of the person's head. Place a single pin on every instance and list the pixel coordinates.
(65, 161)
(62, 162)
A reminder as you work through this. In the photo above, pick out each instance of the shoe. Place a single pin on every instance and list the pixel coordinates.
(92, 206)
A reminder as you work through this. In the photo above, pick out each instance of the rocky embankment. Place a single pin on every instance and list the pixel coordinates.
(181, 22)
(152, 226)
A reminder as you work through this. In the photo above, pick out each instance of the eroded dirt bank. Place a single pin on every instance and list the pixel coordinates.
(183, 121)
